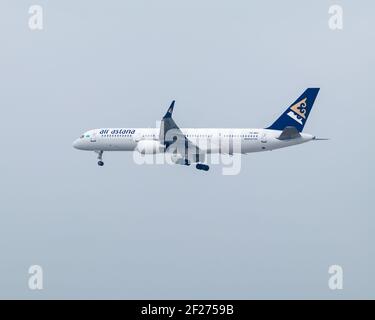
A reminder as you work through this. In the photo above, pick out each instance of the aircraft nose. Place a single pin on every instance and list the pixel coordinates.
(76, 144)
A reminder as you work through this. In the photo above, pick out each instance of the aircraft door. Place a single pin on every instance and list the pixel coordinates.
(93, 137)
(263, 138)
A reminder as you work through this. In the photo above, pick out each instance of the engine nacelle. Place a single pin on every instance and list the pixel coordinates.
(149, 147)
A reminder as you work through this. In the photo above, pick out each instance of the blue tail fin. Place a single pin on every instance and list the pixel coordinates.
(296, 115)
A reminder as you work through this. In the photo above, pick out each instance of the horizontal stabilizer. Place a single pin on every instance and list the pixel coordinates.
(319, 139)
(289, 133)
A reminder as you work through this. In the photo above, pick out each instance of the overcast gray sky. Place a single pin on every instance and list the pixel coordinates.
(130, 231)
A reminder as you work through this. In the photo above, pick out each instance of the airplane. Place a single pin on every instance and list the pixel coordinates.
(190, 146)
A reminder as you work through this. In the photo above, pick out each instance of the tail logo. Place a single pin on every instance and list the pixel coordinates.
(298, 111)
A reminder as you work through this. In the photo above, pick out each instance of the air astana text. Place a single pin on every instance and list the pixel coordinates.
(117, 131)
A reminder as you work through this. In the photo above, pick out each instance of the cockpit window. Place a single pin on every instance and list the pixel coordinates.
(82, 136)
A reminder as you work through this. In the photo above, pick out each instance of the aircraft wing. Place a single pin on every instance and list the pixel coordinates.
(176, 142)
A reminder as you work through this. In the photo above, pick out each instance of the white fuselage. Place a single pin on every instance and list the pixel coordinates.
(210, 140)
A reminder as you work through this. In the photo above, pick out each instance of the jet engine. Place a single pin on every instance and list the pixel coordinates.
(149, 147)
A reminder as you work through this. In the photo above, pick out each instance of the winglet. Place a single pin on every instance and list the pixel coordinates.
(170, 110)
